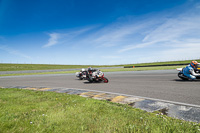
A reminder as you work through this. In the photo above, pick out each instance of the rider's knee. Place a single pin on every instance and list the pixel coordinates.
(192, 77)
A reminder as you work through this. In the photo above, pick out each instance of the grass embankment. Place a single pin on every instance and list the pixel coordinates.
(39, 73)
(36, 111)
(142, 68)
(22, 67)
(104, 70)
(162, 63)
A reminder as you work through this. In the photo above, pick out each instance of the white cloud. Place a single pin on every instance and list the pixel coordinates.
(165, 32)
(53, 40)
(180, 28)
(131, 47)
(65, 37)
(118, 34)
(175, 28)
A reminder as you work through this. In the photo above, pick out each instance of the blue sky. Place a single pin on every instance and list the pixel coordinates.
(99, 32)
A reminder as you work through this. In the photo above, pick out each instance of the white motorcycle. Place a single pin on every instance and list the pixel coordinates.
(82, 74)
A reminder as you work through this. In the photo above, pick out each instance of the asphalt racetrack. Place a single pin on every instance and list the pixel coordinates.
(159, 84)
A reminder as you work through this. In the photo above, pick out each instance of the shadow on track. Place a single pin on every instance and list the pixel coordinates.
(87, 82)
(180, 80)
(78, 79)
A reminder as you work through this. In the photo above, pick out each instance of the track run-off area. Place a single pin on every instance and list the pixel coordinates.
(156, 84)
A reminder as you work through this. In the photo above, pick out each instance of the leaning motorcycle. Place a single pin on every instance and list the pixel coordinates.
(81, 75)
(183, 77)
(97, 76)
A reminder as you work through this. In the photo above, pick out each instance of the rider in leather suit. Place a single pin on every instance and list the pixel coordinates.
(189, 70)
(90, 72)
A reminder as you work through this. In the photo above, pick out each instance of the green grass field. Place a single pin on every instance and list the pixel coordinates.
(162, 63)
(21, 67)
(27, 111)
(104, 70)
(142, 68)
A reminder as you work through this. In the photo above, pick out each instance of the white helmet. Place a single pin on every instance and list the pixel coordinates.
(82, 69)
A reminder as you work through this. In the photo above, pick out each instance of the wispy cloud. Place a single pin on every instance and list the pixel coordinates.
(164, 32)
(118, 33)
(175, 28)
(13, 51)
(131, 47)
(53, 40)
(66, 37)
(172, 31)
(123, 32)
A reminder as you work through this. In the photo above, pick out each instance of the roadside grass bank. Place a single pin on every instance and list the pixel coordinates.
(104, 70)
(22, 67)
(143, 68)
(162, 63)
(38, 111)
(40, 73)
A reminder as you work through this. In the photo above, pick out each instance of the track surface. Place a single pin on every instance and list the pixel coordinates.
(161, 84)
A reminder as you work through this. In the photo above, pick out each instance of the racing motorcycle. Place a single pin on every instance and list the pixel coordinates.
(81, 75)
(183, 77)
(97, 76)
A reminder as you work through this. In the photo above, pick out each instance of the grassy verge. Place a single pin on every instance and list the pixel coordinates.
(35, 111)
(162, 63)
(41, 73)
(104, 70)
(142, 68)
(22, 67)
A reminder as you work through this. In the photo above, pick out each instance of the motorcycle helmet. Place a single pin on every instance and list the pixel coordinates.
(90, 69)
(82, 69)
(194, 63)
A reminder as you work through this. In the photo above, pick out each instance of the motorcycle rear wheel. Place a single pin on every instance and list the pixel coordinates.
(181, 76)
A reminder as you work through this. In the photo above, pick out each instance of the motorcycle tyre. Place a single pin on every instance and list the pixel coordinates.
(182, 77)
(105, 80)
(91, 81)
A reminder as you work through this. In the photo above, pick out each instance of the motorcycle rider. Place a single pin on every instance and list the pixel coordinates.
(189, 70)
(91, 71)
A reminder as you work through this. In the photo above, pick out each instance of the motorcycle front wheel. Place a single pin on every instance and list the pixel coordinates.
(105, 80)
